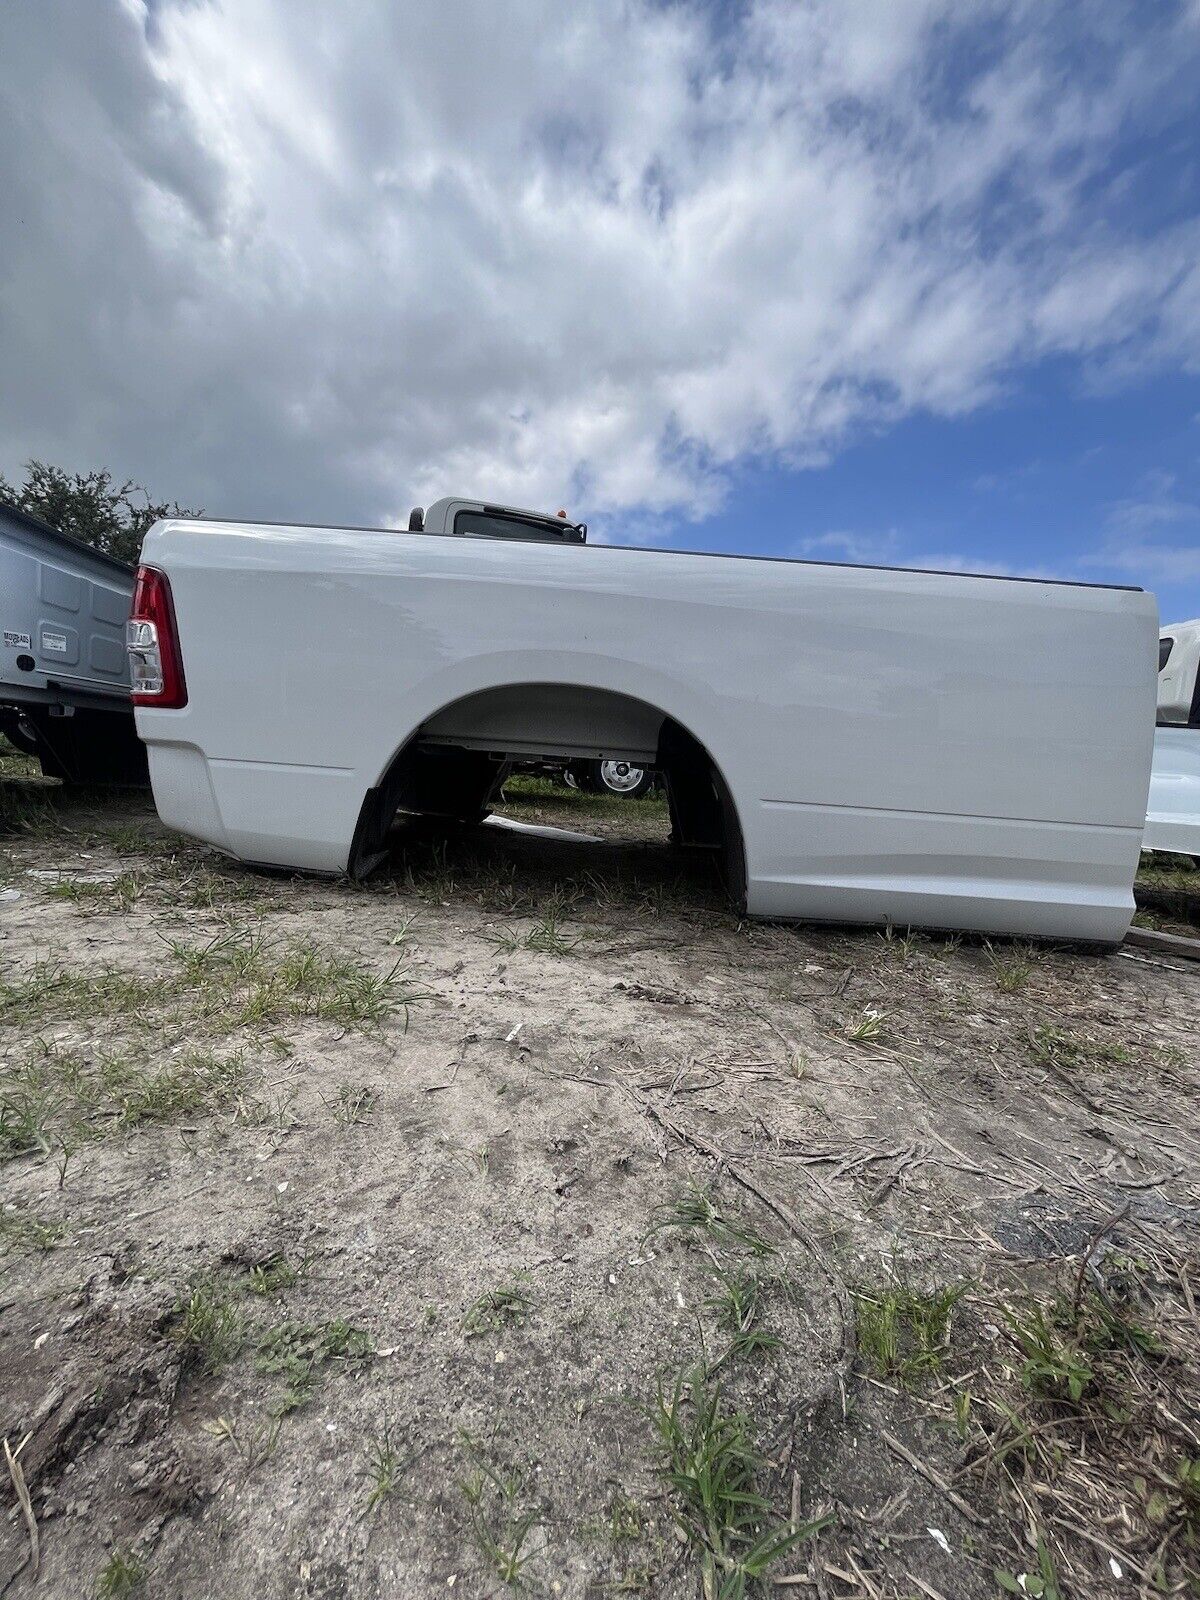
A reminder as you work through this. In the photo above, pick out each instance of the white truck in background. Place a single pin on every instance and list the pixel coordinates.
(1173, 809)
(859, 744)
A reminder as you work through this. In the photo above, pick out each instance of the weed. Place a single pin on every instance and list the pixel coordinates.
(696, 1209)
(707, 1456)
(209, 1325)
(25, 1115)
(118, 894)
(1042, 1584)
(21, 1231)
(962, 1413)
(354, 1103)
(545, 937)
(737, 1306)
(272, 1276)
(866, 1027)
(501, 1527)
(196, 1081)
(900, 944)
(1012, 969)
(121, 1575)
(297, 1351)
(383, 1469)
(1055, 1047)
(28, 807)
(507, 1306)
(1063, 1345)
(1054, 1363)
(479, 1158)
(254, 1447)
(624, 1518)
(60, 1098)
(902, 1332)
(47, 992)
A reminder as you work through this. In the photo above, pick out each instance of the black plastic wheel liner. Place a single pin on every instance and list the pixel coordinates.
(703, 813)
(430, 780)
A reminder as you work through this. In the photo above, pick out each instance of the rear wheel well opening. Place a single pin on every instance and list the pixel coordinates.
(703, 811)
(454, 766)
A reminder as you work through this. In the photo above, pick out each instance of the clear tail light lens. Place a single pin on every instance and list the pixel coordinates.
(152, 640)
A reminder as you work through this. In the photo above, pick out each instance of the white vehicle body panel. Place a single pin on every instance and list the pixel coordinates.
(1177, 676)
(901, 746)
(1173, 811)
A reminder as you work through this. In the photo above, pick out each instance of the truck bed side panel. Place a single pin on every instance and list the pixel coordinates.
(923, 748)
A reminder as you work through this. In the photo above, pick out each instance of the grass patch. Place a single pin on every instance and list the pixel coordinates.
(119, 894)
(247, 978)
(209, 1324)
(272, 1276)
(236, 979)
(27, 805)
(253, 1445)
(1065, 1346)
(502, 1521)
(50, 992)
(545, 937)
(19, 1230)
(353, 1103)
(61, 1098)
(1011, 968)
(1062, 1049)
(1163, 870)
(527, 796)
(865, 1028)
(903, 1333)
(1080, 1403)
(708, 1459)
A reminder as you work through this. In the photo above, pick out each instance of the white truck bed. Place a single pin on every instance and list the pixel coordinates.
(878, 745)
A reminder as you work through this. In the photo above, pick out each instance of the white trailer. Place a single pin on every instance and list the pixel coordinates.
(860, 744)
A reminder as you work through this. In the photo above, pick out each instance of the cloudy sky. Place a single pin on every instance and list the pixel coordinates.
(913, 281)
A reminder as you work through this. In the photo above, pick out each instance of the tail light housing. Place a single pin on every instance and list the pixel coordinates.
(152, 640)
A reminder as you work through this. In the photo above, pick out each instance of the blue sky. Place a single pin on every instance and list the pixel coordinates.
(1051, 481)
(911, 281)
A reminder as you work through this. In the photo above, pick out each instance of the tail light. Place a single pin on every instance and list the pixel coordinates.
(152, 640)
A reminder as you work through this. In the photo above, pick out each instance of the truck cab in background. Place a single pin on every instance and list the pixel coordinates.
(1179, 675)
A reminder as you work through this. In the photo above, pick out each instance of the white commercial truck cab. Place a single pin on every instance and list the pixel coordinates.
(861, 744)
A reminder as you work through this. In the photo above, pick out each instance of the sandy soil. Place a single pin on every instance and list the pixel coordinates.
(438, 1186)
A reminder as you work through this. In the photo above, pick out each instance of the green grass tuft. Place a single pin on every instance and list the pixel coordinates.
(708, 1459)
(903, 1333)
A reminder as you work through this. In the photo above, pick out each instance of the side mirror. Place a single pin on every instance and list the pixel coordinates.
(416, 520)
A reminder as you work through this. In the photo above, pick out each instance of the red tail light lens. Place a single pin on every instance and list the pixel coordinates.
(152, 640)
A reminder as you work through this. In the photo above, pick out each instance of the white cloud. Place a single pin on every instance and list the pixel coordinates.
(301, 259)
(1138, 541)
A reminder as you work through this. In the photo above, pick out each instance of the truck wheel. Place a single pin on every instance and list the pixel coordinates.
(621, 778)
(21, 738)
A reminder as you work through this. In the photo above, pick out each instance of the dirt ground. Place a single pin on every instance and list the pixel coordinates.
(523, 1220)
